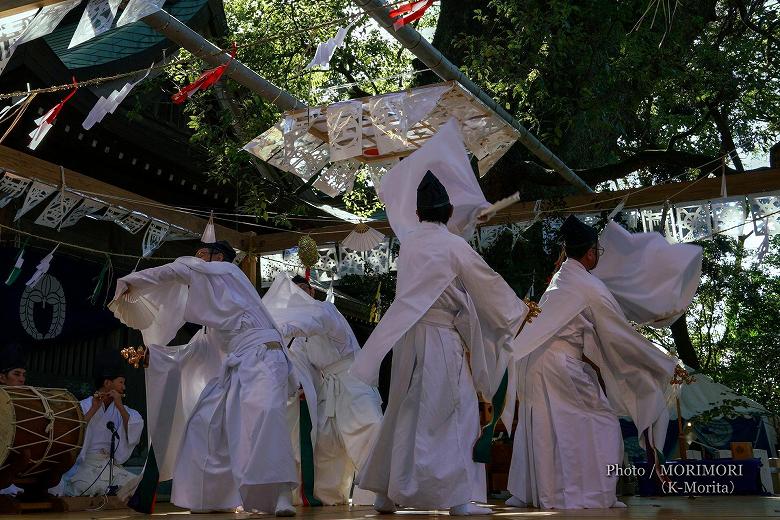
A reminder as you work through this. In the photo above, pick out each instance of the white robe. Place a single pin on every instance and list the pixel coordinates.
(90, 475)
(448, 302)
(216, 407)
(568, 431)
(348, 412)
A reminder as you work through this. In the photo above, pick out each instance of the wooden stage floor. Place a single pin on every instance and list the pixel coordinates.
(678, 508)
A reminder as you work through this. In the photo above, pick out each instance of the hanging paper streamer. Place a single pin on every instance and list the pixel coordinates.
(42, 268)
(101, 278)
(11, 187)
(363, 238)
(330, 296)
(38, 192)
(137, 9)
(107, 105)
(205, 80)
(46, 121)
(96, 19)
(409, 13)
(11, 110)
(326, 49)
(11, 27)
(723, 192)
(18, 263)
(114, 213)
(209, 236)
(154, 237)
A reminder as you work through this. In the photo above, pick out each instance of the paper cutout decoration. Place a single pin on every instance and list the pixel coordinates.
(134, 222)
(296, 127)
(88, 207)
(693, 221)
(47, 19)
(345, 132)
(11, 187)
(137, 9)
(728, 216)
(363, 238)
(330, 296)
(96, 19)
(651, 221)
(105, 106)
(337, 178)
(46, 121)
(114, 213)
(179, 233)
(326, 49)
(37, 193)
(42, 268)
(204, 81)
(409, 13)
(58, 208)
(154, 237)
(766, 213)
(11, 27)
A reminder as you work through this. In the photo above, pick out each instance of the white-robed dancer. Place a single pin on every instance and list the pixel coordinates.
(451, 317)
(348, 411)
(216, 406)
(106, 416)
(568, 432)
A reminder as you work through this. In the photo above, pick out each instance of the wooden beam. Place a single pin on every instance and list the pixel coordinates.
(34, 168)
(704, 189)
(11, 7)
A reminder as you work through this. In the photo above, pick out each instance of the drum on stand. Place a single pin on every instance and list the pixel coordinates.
(41, 434)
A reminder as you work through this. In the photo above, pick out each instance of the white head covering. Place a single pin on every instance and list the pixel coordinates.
(445, 156)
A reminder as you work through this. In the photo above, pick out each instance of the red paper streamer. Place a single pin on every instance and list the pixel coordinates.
(416, 11)
(205, 80)
(58, 107)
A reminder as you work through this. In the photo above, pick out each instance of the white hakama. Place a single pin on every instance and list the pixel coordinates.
(348, 412)
(568, 431)
(423, 454)
(216, 406)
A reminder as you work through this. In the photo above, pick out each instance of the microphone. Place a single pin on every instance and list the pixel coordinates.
(111, 427)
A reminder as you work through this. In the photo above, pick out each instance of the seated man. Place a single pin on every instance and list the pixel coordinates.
(106, 416)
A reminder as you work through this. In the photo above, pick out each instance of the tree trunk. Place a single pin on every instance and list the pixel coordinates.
(682, 341)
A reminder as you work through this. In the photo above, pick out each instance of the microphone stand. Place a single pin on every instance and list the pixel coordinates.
(112, 489)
